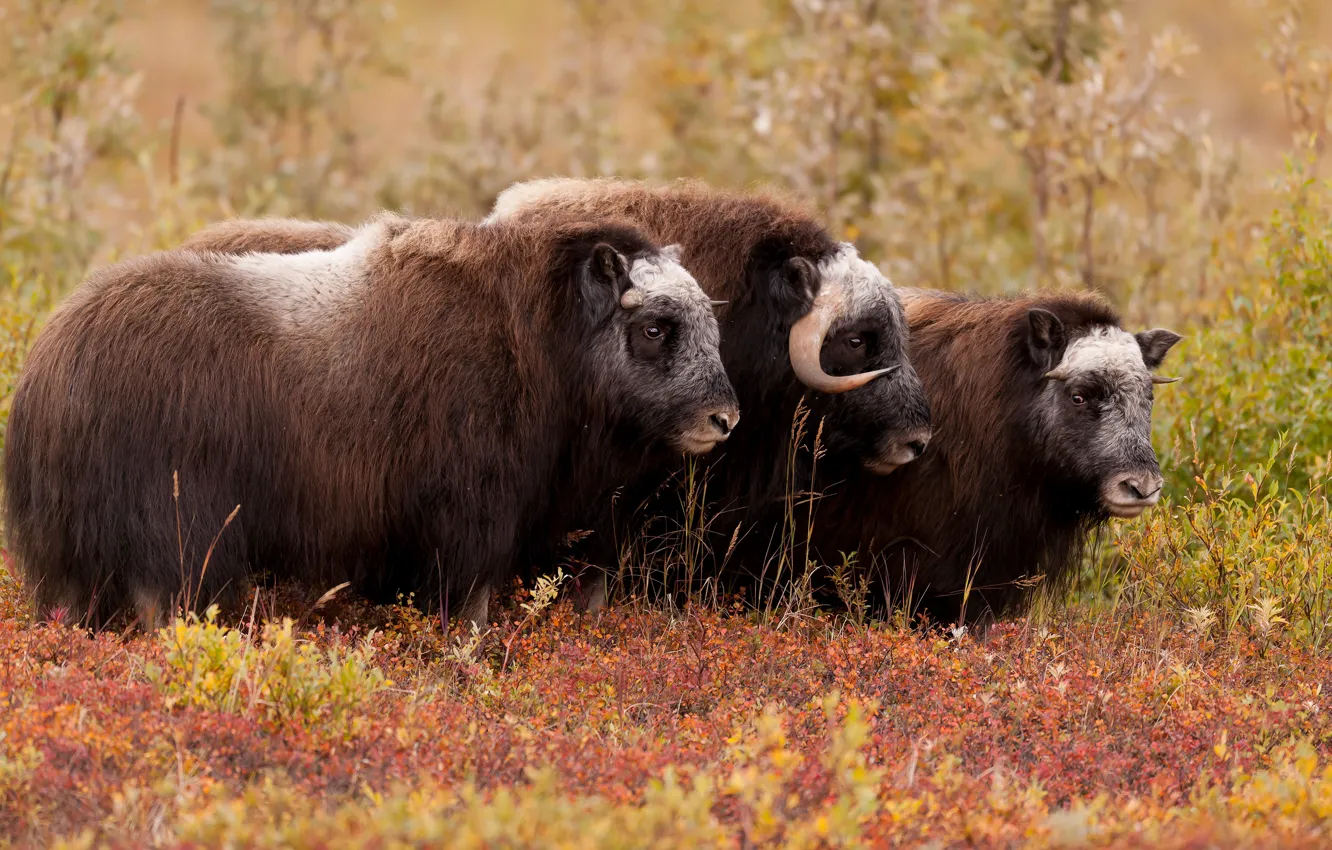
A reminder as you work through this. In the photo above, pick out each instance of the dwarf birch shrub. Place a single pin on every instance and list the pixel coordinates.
(289, 141)
(985, 146)
(567, 116)
(14, 602)
(681, 808)
(1295, 790)
(17, 766)
(20, 801)
(72, 124)
(277, 676)
(1263, 366)
(68, 107)
(1245, 441)
(1247, 555)
(1245, 538)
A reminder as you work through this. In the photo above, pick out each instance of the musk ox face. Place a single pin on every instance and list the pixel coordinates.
(877, 410)
(1092, 420)
(656, 347)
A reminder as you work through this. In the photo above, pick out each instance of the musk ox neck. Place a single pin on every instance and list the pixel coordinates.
(722, 233)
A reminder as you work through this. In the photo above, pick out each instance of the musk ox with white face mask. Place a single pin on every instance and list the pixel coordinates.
(409, 411)
(804, 319)
(1094, 411)
(1042, 412)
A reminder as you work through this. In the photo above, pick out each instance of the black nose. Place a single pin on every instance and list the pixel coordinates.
(722, 422)
(917, 447)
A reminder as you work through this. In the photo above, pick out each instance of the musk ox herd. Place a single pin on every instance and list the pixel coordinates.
(426, 406)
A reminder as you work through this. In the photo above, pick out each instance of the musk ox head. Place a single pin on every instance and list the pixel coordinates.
(1092, 420)
(852, 347)
(655, 349)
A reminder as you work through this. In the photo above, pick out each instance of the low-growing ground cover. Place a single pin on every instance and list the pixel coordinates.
(643, 725)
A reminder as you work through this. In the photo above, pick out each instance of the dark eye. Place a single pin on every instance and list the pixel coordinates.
(856, 342)
(1079, 399)
(653, 332)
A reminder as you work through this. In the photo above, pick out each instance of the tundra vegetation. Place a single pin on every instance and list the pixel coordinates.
(1170, 695)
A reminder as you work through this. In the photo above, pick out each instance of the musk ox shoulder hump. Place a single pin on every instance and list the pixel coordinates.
(521, 196)
(304, 289)
(269, 236)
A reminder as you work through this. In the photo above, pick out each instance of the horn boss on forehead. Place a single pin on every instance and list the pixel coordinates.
(805, 344)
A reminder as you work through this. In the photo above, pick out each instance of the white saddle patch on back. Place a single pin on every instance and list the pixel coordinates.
(533, 193)
(304, 290)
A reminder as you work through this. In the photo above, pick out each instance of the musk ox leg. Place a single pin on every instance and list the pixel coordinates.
(477, 607)
(150, 610)
(591, 595)
(601, 558)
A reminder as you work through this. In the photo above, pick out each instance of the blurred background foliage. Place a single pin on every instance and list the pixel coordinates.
(1169, 154)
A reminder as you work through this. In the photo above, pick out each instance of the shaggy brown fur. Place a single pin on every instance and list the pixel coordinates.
(269, 236)
(747, 250)
(987, 497)
(414, 436)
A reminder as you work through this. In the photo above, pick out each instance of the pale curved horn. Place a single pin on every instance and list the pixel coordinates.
(806, 341)
(1058, 374)
(1157, 379)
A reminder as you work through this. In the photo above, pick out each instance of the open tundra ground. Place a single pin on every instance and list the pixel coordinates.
(1177, 695)
(643, 727)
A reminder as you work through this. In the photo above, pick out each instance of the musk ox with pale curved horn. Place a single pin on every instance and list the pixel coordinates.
(1042, 431)
(408, 411)
(802, 315)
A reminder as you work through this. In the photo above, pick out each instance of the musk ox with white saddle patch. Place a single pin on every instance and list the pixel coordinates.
(804, 319)
(1042, 411)
(407, 411)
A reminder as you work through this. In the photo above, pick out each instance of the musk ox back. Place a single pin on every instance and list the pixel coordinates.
(1042, 431)
(269, 236)
(804, 319)
(406, 411)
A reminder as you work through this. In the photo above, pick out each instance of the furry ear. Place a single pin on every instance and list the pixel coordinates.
(1155, 345)
(1045, 338)
(609, 267)
(605, 282)
(672, 252)
(800, 277)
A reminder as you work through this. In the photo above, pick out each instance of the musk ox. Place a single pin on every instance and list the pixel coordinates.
(803, 318)
(407, 411)
(1042, 412)
(269, 236)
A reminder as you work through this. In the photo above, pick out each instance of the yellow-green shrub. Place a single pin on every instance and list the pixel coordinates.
(1239, 553)
(1295, 791)
(678, 809)
(276, 676)
(1263, 367)
(13, 602)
